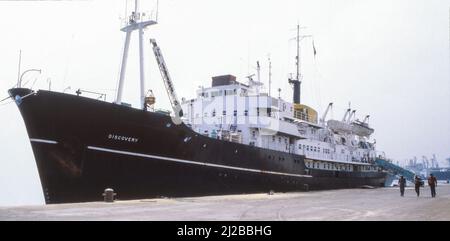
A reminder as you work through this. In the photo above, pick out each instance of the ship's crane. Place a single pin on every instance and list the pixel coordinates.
(326, 112)
(366, 119)
(434, 161)
(178, 111)
(346, 114)
(350, 118)
(425, 162)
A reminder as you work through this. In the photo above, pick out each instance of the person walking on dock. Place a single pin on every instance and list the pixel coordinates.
(402, 184)
(417, 183)
(432, 182)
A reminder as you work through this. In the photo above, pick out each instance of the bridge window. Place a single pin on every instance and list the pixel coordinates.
(215, 93)
(230, 92)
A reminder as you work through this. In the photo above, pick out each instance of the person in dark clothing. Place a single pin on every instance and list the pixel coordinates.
(432, 182)
(402, 184)
(417, 183)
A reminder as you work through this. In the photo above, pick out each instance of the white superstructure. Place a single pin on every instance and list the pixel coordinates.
(237, 112)
(233, 111)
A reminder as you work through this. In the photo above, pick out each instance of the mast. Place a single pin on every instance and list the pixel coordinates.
(270, 75)
(298, 58)
(258, 69)
(296, 82)
(298, 77)
(123, 68)
(258, 73)
(135, 22)
(141, 62)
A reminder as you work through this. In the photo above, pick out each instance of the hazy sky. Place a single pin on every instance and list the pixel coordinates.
(389, 58)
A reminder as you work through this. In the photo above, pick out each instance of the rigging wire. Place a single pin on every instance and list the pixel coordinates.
(34, 82)
(5, 99)
(7, 103)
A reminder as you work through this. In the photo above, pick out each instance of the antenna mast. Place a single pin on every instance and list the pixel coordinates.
(298, 78)
(298, 55)
(135, 22)
(258, 69)
(270, 75)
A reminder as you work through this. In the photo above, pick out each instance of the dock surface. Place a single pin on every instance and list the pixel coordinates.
(347, 204)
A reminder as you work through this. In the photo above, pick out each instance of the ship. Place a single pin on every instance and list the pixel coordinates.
(232, 138)
(429, 166)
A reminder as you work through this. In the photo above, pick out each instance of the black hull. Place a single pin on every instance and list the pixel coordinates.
(83, 146)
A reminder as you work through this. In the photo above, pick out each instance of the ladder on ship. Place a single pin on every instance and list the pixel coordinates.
(396, 170)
